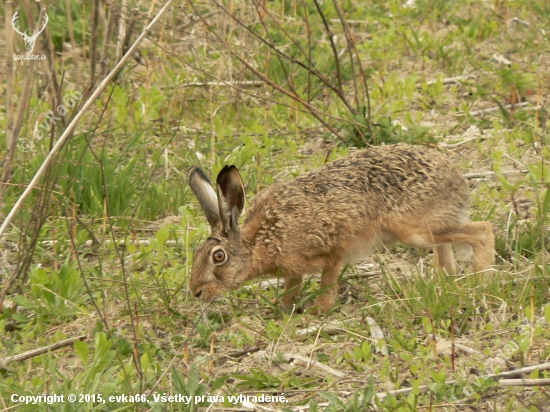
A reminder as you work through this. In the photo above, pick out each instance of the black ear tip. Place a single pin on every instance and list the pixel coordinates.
(197, 171)
(227, 169)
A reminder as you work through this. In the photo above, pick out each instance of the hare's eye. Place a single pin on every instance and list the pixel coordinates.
(219, 257)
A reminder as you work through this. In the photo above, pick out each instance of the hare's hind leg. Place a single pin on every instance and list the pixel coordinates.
(479, 235)
(444, 258)
(482, 240)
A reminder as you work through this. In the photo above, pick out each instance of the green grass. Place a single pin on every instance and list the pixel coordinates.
(123, 177)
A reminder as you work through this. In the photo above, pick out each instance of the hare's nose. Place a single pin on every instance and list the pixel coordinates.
(198, 293)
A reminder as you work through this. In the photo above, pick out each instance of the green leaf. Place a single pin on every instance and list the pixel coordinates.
(81, 349)
(20, 318)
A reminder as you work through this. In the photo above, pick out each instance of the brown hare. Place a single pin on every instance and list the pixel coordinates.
(327, 217)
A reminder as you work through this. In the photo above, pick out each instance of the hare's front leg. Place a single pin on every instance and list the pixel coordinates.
(329, 287)
(293, 287)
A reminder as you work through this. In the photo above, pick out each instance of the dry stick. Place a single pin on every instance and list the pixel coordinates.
(475, 175)
(9, 74)
(532, 320)
(68, 131)
(121, 29)
(496, 109)
(106, 42)
(524, 382)
(45, 349)
(302, 360)
(48, 66)
(93, 46)
(229, 84)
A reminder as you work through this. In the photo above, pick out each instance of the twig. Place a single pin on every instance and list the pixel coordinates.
(45, 349)
(302, 360)
(106, 40)
(244, 352)
(70, 23)
(496, 109)
(121, 29)
(93, 46)
(328, 328)
(68, 131)
(466, 349)
(226, 83)
(453, 145)
(10, 147)
(9, 73)
(524, 382)
(475, 175)
(448, 80)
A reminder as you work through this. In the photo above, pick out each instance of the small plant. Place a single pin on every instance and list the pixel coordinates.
(55, 296)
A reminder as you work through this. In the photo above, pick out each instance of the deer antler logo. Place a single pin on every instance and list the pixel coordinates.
(29, 40)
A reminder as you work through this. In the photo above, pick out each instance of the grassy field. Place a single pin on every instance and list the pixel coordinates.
(95, 265)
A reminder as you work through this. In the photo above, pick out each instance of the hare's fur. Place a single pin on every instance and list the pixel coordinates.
(327, 217)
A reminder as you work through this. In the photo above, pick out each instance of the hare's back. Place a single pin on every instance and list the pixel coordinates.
(379, 184)
(393, 173)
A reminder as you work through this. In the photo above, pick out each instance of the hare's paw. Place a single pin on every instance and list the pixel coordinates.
(321, 306)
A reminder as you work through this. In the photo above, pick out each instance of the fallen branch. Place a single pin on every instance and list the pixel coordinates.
(496, 109)
(453, 145)
(447, 80)
(303, 361)
(39, 351)
(244, 352)
(329, 328)
(524, 382)
(228, 83)
(475, 175)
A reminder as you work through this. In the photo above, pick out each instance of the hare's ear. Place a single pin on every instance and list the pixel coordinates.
(230, 197)
(201, 186)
